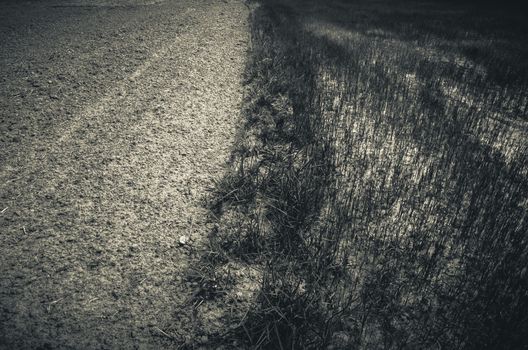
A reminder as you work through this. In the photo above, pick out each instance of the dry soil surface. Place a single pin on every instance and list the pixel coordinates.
(115, 119)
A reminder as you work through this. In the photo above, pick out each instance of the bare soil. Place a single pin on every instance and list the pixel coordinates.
(116, 117)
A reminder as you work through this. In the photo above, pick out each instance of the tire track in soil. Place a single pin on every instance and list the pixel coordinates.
(90, 253)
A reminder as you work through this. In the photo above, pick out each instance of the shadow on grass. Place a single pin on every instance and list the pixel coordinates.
(380, 182)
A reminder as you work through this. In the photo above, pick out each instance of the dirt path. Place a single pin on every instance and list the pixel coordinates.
(115, 119)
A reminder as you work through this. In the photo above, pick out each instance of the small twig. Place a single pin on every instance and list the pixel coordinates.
(280, 210)
(164, 333)
(3, 210)
(52, 303)
(227, 195)
(278, 336)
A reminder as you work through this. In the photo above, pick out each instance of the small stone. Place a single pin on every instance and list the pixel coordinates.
(184, 240)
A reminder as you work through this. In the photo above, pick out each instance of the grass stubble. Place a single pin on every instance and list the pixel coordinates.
(379, 186)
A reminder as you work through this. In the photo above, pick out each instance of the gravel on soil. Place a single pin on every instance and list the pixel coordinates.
(116, 117)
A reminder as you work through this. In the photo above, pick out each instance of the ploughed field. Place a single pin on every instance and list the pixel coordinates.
(116, 116)
(373, 196)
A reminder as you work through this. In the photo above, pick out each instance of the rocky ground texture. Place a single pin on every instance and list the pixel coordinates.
(116, 117)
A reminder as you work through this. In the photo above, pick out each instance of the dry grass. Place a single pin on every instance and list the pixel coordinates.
(381, 178)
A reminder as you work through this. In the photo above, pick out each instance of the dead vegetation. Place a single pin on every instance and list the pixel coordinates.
(380, 181)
